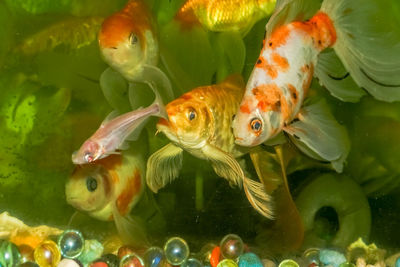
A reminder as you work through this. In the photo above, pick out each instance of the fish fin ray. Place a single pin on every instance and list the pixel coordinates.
(319, 131)
(115, 90)
(163, 166)
(258, 198)
(332, 74)
(112, 115)
(224, 164)
(159, 81)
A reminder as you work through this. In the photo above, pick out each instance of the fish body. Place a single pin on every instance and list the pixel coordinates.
(127, 40)
(113, 133)
(280, 79)
(225, 15)
(115, 182)
(200, 123)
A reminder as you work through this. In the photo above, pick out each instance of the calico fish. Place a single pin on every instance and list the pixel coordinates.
(108, 189)
(225, 15)
(114, 131)
(199, 123)
(294, 50)
(128, 43)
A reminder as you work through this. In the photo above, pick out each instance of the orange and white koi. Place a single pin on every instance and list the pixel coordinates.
(225, 15)
(128, 43)
(291, 51)
(199, 122)
(109, 188)
(113, 133)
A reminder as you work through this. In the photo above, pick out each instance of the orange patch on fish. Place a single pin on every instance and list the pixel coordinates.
(133, 18)
(282, 62)
(293, 93)
(308, 80)
(245, 107)
(163, 121)
(132, 188)
(278, 37)
(326, 29)
(270, 98)
(268, 68)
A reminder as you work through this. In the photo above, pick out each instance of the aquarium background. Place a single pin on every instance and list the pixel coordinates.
(51, 101)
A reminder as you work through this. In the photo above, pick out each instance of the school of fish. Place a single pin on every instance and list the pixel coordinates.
(224, 121)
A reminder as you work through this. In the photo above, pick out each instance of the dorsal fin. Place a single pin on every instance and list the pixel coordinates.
(235, 80)
(287, 11)
(113, 114)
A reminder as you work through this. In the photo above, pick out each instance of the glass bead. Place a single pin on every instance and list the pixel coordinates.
(215, 256)
(154, 257)
(397, 264)
(192, 262)
(68, 263)
(125, 250)
(227, 263)
(111, 260)
(311, 256)
(9, 254)
(131, 260)
(26, 253)
(176, 251)
(205, 252)
(92, 250)
(249, 259)
(71, 244)
(231, 246)
(47, 254)
(98, 263)
(347, 264)
(288, 263)
(29, 264)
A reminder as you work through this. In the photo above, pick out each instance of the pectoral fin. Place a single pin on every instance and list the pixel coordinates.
(163, 166)
(319, 135)
(224, 164)
(157, 77)
(115, 90)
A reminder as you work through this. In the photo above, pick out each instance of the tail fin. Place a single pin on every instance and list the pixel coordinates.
(368, 44)
(159, 102)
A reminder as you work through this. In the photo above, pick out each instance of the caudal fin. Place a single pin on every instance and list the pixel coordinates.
(368, 44)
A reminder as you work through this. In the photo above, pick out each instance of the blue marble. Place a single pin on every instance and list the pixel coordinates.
(250, 260)
(153, 257)
(331, 257)
(397, 264)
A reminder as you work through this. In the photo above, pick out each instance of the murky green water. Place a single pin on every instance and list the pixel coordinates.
(50, 102)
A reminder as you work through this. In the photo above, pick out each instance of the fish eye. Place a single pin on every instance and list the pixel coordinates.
(191, 114)
(256, 124)
(133, 39)
(91, 184)
(88, 157)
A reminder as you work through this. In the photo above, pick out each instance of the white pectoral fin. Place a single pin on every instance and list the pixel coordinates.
(163, 166)
(224, 164)
(319, 135)
(131, 229)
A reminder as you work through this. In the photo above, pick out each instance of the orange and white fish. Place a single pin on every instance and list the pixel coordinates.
(291, 55)
(109, 188)
(115, 131)
(128, 43)
(225, 15)
(199, 122)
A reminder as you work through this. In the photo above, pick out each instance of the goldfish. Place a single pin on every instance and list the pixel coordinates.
(199, 123)
(342, 47)
(115, 131)
(225, 15)
(128, 43)
(108, 189)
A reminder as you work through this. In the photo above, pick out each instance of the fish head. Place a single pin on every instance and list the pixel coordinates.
(251, 126)
(89, 152)
(188, 121)
(88, 188)
(122, 43)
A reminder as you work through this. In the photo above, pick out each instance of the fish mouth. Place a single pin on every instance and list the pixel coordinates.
(164, 126)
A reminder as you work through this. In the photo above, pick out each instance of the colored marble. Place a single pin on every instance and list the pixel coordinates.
(26, 253)
(176, 250)
(250, 259)
(288, 263)
(9, 254)
(192, 262)
(397, 264)
(125, 250)
(131, 260)
(71, 244)
(347, 264)
(111, 260)
(98, 264)
(29, 264)
(92, 250)
(331, 257)
(154, 257)
(268, 263)
(47, 254)
(68, 263)
(231, 246)
(227, 263)
(215, 256)
(311, 256)
(205, 252)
